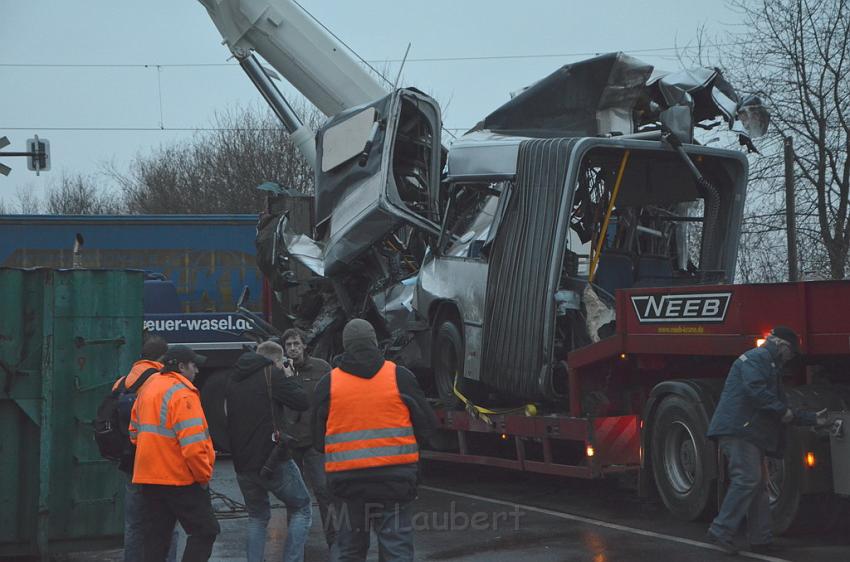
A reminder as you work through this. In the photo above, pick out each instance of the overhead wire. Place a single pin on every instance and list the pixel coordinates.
(368, 62)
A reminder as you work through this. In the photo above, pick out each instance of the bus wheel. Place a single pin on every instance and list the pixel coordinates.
(448, 363)
(681, 459)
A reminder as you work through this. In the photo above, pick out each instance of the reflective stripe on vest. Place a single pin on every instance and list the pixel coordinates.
(164, 430)
(368, 423)
(169, 428)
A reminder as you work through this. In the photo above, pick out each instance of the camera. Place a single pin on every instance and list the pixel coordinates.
(279, 453)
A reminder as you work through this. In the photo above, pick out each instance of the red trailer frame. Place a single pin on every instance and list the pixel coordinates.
(656, 327)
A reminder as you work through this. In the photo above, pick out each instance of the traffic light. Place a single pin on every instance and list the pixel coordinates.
(39, 160)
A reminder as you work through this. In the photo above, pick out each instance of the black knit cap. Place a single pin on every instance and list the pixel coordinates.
(182, 354)
(359, 332)
(789, 335)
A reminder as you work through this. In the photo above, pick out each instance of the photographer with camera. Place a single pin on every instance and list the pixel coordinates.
(256, 393)
(308, 371)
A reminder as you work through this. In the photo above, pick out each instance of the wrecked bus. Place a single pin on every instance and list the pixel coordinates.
(475, 263)
(526, 257)
(561, 278)
(564, 271)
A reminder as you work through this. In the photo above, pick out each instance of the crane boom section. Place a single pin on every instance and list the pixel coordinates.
(292, 42)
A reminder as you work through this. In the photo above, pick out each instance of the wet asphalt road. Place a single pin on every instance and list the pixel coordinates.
(598, 521)
(477, 513)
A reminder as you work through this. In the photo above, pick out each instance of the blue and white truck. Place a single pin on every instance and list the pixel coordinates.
(197, 266)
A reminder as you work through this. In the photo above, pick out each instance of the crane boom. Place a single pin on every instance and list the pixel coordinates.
(295, 45)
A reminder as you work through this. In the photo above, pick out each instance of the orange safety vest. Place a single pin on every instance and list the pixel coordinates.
(171, 435)
(136, 370)
(368, 423)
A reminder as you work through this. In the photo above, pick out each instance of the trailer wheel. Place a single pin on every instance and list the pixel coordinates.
(681, 459)
(448, 362)
(783, 489)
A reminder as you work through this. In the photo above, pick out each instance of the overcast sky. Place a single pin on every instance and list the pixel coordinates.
(497, 47)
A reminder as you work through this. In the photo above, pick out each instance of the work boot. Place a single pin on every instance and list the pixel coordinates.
(727, 546)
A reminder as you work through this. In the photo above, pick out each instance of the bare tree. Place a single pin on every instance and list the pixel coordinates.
(80, 195)
(218, 170)
(28, 203)
(797, 54)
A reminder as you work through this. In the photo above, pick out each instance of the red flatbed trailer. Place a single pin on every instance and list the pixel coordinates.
(674, 346)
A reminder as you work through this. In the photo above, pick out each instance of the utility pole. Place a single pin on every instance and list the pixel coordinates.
(790, 210)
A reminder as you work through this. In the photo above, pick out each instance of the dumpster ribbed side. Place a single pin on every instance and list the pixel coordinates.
(20, 408)
(74, 332)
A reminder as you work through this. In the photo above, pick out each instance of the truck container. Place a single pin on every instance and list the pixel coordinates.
(197, 265)
(65, 335)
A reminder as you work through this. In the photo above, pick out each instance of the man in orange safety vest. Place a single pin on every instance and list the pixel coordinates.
(174, 458)
(153, 349)
(370, 416)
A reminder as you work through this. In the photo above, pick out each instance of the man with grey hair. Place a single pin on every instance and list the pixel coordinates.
(271, 350)
(261, 385)
(749, 425)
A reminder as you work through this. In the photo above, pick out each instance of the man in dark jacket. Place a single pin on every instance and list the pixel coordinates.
(307, 371)
(749, 424)
(259, 389)
(370, 415)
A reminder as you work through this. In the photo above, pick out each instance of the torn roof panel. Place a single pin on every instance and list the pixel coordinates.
(616, 94)
(567, 103)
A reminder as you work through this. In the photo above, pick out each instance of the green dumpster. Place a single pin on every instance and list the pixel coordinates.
(65, 336)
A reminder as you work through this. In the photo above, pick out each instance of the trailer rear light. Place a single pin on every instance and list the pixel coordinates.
(590, 452)
(810, 460)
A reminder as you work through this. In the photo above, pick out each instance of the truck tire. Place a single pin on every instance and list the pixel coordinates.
(682, 459)
(783, 486)
(448, 363)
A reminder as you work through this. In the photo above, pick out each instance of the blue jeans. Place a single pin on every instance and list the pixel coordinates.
(747, 494)
(134, 527)
(354, 520)
(287, 485)
(312, 465)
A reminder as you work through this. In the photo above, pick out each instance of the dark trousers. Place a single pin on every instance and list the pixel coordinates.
(747, 495)
(354, 519)
(312, 465)
(191, 506)
(134, 526)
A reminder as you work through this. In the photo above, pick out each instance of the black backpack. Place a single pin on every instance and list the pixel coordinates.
(113, 419)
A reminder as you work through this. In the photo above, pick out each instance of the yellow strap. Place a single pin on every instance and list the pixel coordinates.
(482, 413)
(599, 243)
